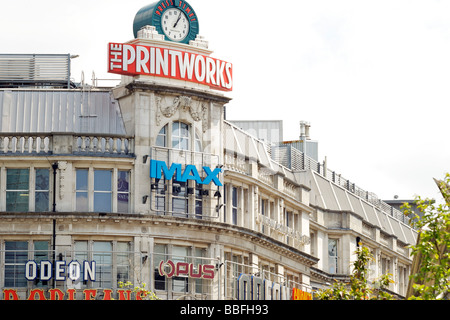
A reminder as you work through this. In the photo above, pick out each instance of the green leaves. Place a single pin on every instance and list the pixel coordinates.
(430, 279)
(359, 288)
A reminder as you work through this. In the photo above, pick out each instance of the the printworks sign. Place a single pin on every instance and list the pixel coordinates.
(132, 60)
(190, 172)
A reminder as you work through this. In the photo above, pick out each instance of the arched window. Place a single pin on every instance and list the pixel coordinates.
(179, 198)
(179, 135)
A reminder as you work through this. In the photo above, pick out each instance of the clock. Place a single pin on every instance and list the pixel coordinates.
(175, 19)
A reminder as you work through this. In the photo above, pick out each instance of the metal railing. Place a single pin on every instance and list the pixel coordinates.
(35, 69)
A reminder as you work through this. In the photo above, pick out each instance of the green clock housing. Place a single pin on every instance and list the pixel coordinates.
(175, 19)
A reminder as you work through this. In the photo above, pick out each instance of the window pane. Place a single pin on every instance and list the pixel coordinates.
(123, 185)
(17, 201)
(41, 201)
(161, 138)
(82, 179)
(102, 180)
(42, 179)
(82, 201)
(16, 255)
(102, 202)
(123, 181)
(158, 256)
(17, 179)
(103, 258)
(123, 261)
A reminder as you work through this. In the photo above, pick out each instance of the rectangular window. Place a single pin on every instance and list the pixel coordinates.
(41, 253)
(234, 205)
(17, 190)
(102, 255)
(123, 191)
(16, 256)
(200, 284)
(179, 199)
(198, 200)
(180, 283)
(160, 201)
(82, 190)
(123, 261)
(332, 256)
(42, 187)
(102, 191)
(97, 195)
(159, 254)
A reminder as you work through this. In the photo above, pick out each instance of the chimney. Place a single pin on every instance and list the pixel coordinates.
(304, 130)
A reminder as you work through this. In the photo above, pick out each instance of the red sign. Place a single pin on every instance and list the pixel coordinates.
(134, 59)
(204, 271)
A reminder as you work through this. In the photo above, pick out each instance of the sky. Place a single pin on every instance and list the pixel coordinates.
(371, 77)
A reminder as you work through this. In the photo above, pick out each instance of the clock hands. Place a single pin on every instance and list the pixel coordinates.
(175, 25)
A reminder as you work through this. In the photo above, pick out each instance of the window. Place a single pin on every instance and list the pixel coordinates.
(102, 255)
(123, 191)
(172, 196)
(95, 190)
(17, 255)
(198, 200)
(180, 283)
(333, 256)
(161, 139)
(159, 254)
(234, 205)
(17, 190)
(113, 262)
(179, 197)
(41, 196)
(102, 190)
(21, 196)
(180, 137)
(82, 190)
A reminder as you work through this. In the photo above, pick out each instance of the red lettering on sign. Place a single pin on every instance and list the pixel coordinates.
(131, 60)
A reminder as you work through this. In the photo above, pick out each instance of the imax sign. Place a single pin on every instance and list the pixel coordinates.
(190, 172)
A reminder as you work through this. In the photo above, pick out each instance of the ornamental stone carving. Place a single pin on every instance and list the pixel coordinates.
(167, 107)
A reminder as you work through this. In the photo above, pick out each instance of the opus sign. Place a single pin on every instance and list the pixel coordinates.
(175, 269)
(132, 60)
(190, 172)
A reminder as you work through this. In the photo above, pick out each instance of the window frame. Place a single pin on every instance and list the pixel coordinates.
(114, 193)
(32, 189)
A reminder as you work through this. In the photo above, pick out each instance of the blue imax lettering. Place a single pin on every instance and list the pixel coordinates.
(190, 172)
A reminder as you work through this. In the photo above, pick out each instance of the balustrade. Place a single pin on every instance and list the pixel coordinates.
(42, 143)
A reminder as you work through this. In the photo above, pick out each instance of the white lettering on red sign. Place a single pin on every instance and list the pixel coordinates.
(131, 59)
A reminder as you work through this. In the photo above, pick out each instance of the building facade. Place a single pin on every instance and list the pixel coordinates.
(147, 182)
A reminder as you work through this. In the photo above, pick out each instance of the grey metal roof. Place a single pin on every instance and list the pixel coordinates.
(77, 111)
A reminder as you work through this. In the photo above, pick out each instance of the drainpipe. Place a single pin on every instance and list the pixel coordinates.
(54, 167)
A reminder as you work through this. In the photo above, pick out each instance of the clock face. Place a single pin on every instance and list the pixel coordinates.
(175, 24)
(175, 19)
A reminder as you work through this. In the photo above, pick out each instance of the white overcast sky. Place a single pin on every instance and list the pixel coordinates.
(372, 77)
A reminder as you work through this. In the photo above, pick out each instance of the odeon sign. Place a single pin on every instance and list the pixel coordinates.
(133, 59)
(48, 270)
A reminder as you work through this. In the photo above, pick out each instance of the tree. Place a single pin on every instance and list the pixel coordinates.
(359, 287)
(430, 272)
(139, 290)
